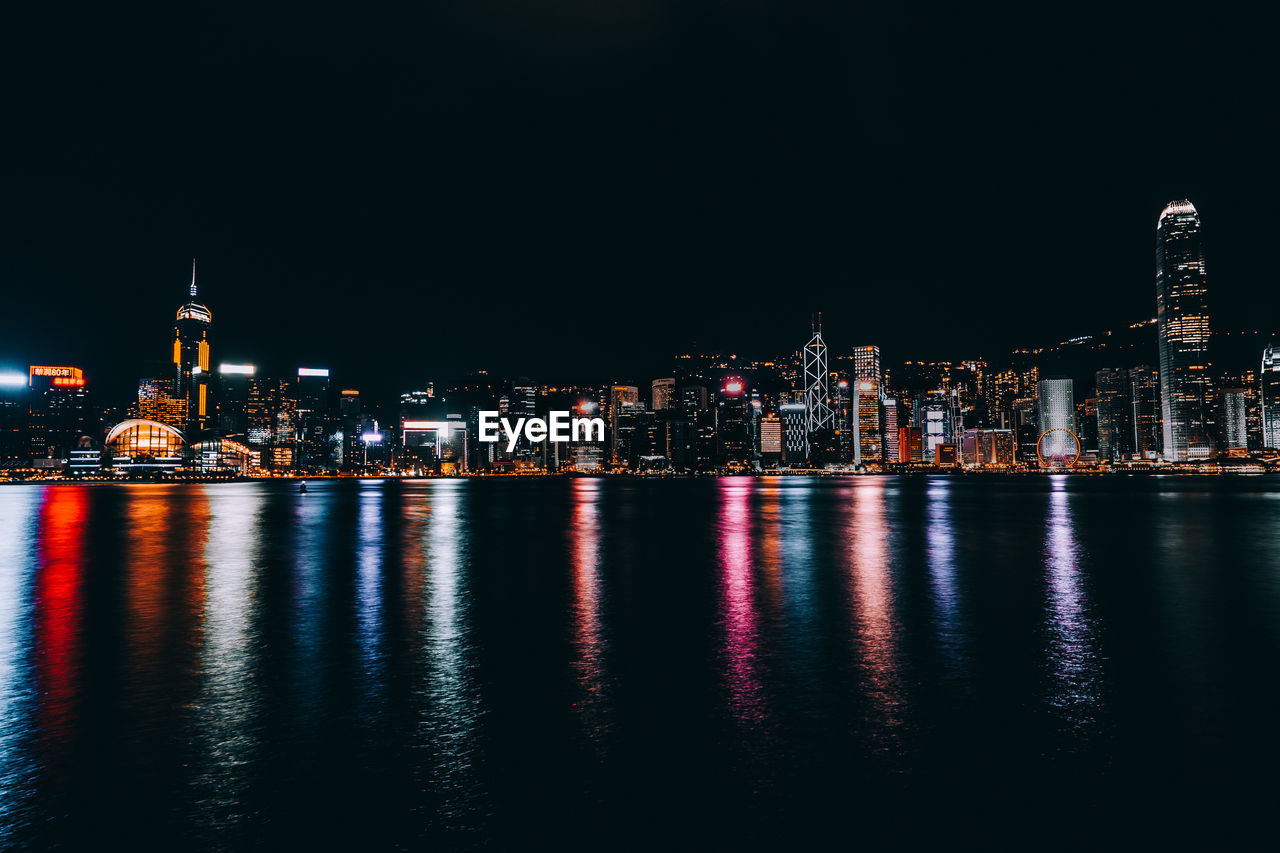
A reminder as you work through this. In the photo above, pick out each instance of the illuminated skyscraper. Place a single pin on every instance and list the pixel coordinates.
(1235, 428)
(1271, 397)
(58, 413)
(1114, 414)
(866, 365)
(1059, 443)
(1182, 315)
(869, 449)
(191, 359)
(664, 394)
(1144, 390)
(817, 395)
(622, 401)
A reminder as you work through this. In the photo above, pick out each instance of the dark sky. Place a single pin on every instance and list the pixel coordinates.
(586, 187)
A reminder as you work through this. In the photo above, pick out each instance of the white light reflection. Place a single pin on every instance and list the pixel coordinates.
(18, 513)
(1075, 664)
(369, 554)
(453, 701)
(940, 552)
(223, 722)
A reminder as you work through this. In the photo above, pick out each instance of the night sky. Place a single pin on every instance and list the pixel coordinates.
(583, 188)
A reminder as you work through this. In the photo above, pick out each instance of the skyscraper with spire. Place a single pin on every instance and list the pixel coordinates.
(1182, 317)
(191, 359)
(817, 393)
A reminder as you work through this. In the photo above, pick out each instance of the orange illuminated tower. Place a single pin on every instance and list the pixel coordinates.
(191, 360)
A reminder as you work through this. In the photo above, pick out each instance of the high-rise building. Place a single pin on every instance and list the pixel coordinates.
(771, 438)
(1270, 381)
(314, 418)
(1182, 317)
(1059, 442)
(910, 445)
(191, 360)
(891, 430)
(157, 403)
(234, 382)
(795, 444)
(59, 410)
(1235, 428)
(866, 365)
(817, 396)
(620, 418)
(14, 405)
(1115, 427)
(1144, 390)
(869, 449)
(664, 394)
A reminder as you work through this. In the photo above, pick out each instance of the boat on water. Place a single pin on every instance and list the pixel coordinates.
(302, 489)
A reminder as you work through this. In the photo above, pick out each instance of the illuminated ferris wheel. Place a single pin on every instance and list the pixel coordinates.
(1058, 448)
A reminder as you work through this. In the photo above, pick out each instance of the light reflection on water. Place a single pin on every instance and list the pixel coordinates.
(590, 643)
(1075, 662)
(216, 646)
(876, 627)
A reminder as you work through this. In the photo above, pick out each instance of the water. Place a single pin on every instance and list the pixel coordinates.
(626, 662)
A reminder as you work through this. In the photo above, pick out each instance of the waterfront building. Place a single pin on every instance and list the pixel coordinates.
(58, 412)
(1115, 427)
(191, 371)
(1234, 418)
(1144, 390)
(1059, 443)
(1270, 381)
(1182, 317)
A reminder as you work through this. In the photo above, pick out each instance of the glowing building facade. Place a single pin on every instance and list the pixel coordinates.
(1059, 443)
(1182, 317)
(1270, 379)
(191, 360)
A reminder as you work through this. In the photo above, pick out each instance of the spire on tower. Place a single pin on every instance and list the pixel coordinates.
(193, 278)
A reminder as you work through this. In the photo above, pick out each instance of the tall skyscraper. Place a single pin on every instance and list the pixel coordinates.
(1144, 390)
(869, 448)
(1059, 443)
(1182, 317)
(664, 394)
(58, 413)
(866, 365)
(1236, 430)
(1114, 414)
(1270, 380)
(817, 395)
(623, 400)
(191, 360)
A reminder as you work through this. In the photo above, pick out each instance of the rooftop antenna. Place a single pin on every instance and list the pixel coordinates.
(193, 278)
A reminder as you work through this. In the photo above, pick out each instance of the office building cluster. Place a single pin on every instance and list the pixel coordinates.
(1091, 401)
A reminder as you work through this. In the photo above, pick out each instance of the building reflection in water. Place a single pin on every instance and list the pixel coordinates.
(452, 695)
(1074, 661)
(874, 622)
(588, 634)
(224, 717)
(738, 617)
(19, 510)
(940, 553)
(370, 638)
(61, 560)
(166, 530)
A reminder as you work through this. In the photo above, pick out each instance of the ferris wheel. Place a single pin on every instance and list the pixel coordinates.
(1058, 448)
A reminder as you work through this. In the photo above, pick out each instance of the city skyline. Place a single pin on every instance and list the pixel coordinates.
(1091, 402)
